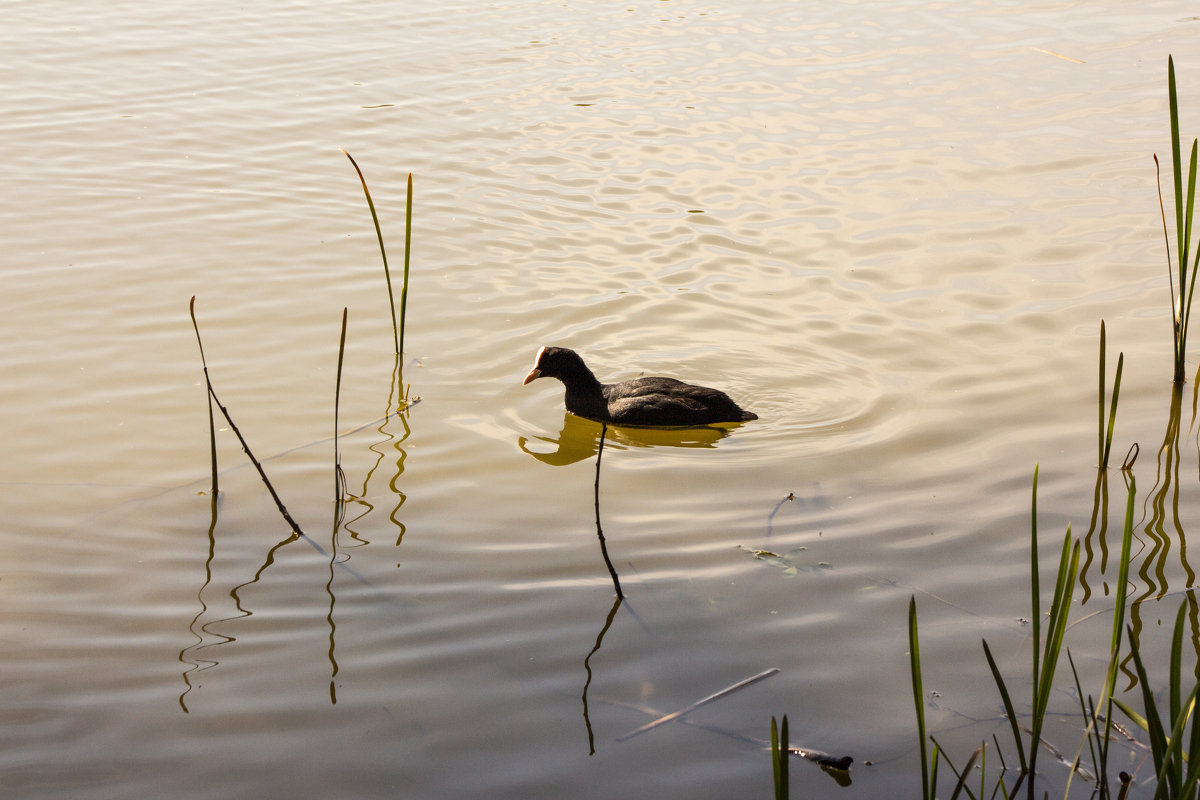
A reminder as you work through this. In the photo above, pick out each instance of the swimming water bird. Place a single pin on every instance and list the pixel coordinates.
(651, 402)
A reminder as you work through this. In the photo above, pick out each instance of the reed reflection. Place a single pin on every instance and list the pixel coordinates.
(1104, 440)
(1096, 536)
(587, 666)
(398, 408)
(1159, 527)
(190, 655)
(198, 656)
(1161, 524)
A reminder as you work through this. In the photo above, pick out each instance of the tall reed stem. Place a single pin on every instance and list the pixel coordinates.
(212, 428)
(1181, 297)
(407, 249)
(397, 328)
(339, 478)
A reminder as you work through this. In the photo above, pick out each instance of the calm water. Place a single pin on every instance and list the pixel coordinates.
(891, 229)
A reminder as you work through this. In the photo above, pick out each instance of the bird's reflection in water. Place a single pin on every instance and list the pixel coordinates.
(582, 438)
(579, 439)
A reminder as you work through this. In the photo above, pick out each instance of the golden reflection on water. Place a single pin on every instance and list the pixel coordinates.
(895, 228)
(579, 438)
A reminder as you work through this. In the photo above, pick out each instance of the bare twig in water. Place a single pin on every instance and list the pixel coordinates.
(245, 446)
(711, 698)
(824, 759)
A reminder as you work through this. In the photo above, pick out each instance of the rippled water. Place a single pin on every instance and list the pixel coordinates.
(890, 229)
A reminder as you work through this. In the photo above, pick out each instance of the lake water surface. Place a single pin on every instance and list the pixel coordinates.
(890, 229)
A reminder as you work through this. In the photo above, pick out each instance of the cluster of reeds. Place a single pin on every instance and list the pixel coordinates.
(1173, 731)
(1048, 646)
(1176, 767)
(1176, 757)
(398, 339)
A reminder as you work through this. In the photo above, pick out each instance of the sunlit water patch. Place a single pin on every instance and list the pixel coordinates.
(892, 232)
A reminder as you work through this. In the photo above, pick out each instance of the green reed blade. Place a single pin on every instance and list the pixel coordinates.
(1112, 411)
(914, 662)
(1084, 701)
(784, 752)
(1162, 211)
(1133, 715)
(1175, 683)
(1008, 706)
(938, 749)
(1193, 754)
(1177, 167)
(1035, 581)
(407, 251)
(1105, 440)
(1092, 736)
(1068, 569)
(1000, 754)
(1100, 396)
(775, 756)
(1060, 606)
(1185, 205)
(936, 759)
(1179, 762)
(382, 250)
(1152, 722)
(1172, 771)
(779, 757)
(982, 766)
(1119, 607)
(212, 427)
(1189, 215)
(337, 399)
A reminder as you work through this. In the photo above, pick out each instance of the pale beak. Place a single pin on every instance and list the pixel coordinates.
(533, 375)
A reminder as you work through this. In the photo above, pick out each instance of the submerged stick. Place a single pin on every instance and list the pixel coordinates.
(816, 756)
(711, 698)
(245, 446)
(262, 473)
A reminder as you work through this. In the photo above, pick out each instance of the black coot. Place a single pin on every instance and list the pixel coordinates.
(655, 402)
